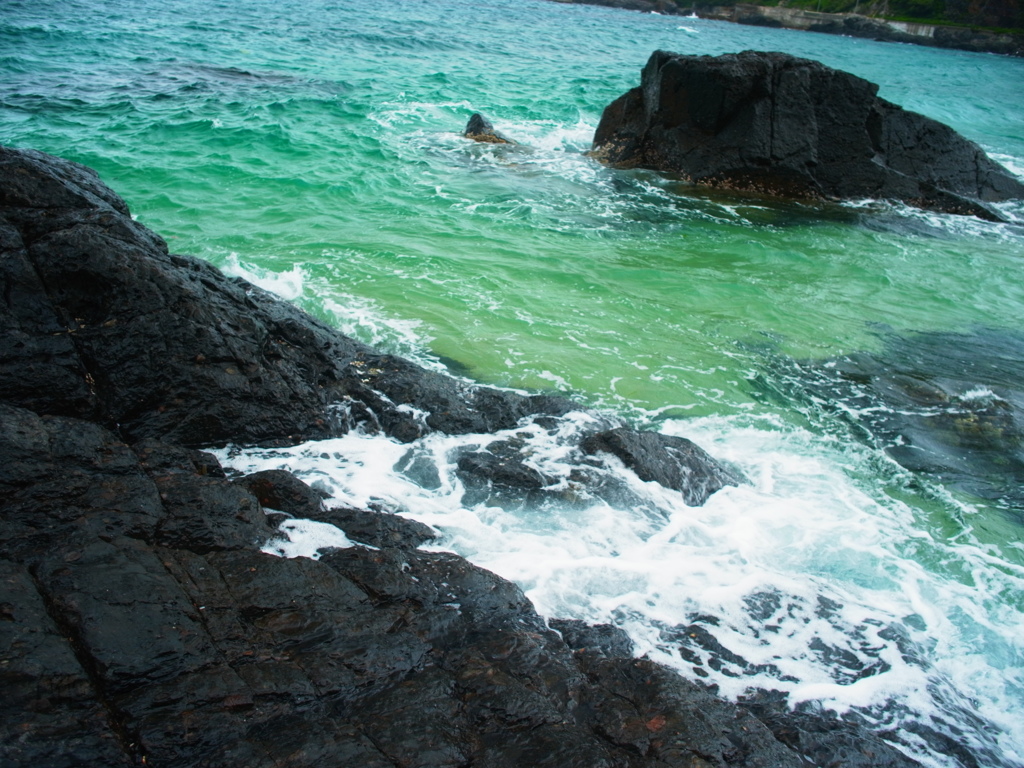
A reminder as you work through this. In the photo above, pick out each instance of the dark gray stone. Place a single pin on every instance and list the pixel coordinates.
(775, 124)
(479, 128)
(376, 528)
(603, 639)
(674, 462)
(281, 490)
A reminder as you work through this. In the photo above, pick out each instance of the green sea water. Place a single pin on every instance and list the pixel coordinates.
(315, 148)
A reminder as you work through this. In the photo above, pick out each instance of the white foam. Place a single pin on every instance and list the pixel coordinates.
(802, 530)
(363, 319)
(404, 112)
(979, 393)
(1014, 165)
(305, 538)
(288, 285)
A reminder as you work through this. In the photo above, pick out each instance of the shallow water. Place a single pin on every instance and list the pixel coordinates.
(314, 148)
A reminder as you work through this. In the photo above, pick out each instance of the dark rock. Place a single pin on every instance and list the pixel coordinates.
(861, 26)
(52, 713)
(207, 515)
(603, 639)
(39, 365)
(58, 474)
(419, 466)
(499, 475)
(198, 650)
(720, 658)
(502, 471)
(449, 405)
(136, 625)
(646, 708)
(674, 462)
(378, 529)
(824, 738)
(775, 124)
(479, 128)
(140, 623)
(283, 491)
(979, 40)
(973, 38)
(100, 322)
(959, 38)
(161, 458)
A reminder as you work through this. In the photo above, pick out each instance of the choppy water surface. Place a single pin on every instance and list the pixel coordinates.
(860, 364)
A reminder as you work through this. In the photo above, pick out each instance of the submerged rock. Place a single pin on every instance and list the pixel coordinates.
(947, 405)
(479, 128)
(775, 124)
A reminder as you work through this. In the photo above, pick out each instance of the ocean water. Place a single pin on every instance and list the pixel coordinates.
(860, 364)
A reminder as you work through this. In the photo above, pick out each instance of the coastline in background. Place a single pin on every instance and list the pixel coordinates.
(926, 32)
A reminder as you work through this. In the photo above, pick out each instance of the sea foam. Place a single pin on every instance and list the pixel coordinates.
(798, 580)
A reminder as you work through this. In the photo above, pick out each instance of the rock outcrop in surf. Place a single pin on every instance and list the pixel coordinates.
(141, 624)
(479, 128)
(775, 124)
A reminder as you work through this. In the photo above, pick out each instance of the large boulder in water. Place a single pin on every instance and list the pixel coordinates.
(776, 124)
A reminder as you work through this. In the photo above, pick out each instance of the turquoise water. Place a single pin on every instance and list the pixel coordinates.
(314, 147)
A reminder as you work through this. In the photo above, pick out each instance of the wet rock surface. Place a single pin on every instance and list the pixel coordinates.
(378, 528)
(775, 124)
(602, 639)
(279, 490)
(500, 474)
(140, 622)
(674, 462)
(128, 635)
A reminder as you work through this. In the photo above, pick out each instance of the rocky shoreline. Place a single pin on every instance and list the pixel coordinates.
(849, 24)
(140, 622)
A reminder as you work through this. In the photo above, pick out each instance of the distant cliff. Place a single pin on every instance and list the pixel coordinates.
(933, 30)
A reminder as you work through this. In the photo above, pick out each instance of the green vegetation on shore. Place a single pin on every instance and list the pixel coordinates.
(996, 15)
(992, 16)
(989, 14)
